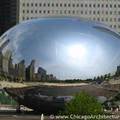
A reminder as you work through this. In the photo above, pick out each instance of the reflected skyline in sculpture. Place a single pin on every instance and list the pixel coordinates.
(66, 47)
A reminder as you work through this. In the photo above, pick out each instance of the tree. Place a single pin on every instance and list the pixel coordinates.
(105, 76)
(83, 104)
(109, 75)
(101, 77)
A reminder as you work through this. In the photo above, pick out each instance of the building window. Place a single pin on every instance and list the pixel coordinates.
(90, 12)
(98, 5)
(48, 4)
(94, 5)
(40, 4)
(52, 4)
(23, 4)
(85, 5)
(27, 11)
(69, 11)
(23, 11)
(44, 11)
(27, 4)
(98, 12)
(118, 19)
(81, 5)
(69, 5)
(77, 5)
(94, 12)
(60, 4)
(73, 5)
(31, 4)
(98, 19)
(107, 12)
(56, 4)
(81, 12)
(106, 5)
(36, 4)
(48, 11)
(44, 4)
(31, 11)
(39, 11)
(110, 5)
(65, 5)
(110, 12)
(115, 6)
(73, 12)
(90, 5)
(35, 11)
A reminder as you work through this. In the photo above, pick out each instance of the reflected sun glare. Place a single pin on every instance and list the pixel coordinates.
(77, 52)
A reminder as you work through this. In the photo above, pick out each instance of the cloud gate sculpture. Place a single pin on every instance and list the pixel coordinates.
(58, 48)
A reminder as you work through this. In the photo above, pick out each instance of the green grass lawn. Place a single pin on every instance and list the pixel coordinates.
(5, 99)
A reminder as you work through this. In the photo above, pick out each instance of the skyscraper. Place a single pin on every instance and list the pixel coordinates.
(21, 70)
(118, 71)
(1, 62)
(41, 74)
(9, 13)
(5, 62)
(11, 67)
(30, 71)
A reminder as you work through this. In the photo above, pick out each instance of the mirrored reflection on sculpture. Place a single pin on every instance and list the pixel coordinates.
(60, 48)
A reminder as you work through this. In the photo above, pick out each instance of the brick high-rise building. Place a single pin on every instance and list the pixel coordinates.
(105, 11)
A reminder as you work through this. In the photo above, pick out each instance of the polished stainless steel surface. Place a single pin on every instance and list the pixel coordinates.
(66, 47)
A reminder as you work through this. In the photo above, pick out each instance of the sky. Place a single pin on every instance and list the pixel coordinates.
(69, 48)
